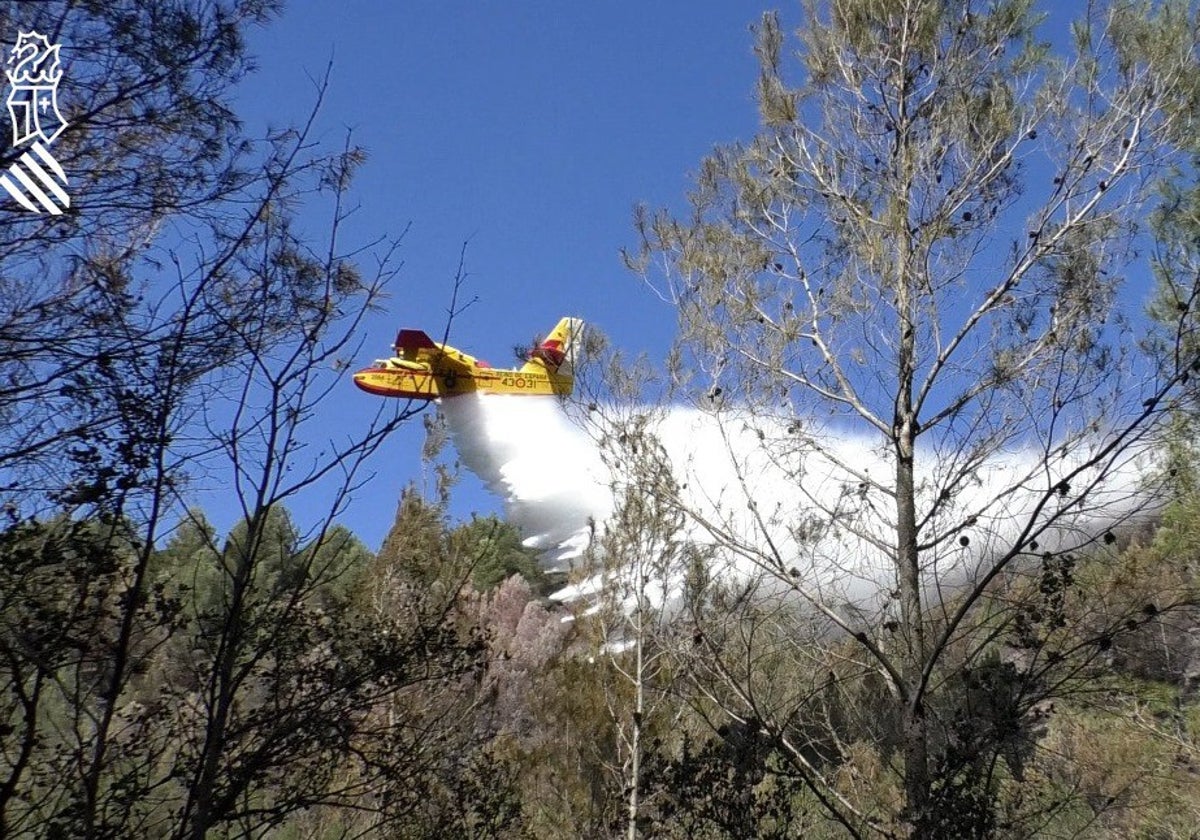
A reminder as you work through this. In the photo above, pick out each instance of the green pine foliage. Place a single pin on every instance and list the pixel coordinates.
(500, 554)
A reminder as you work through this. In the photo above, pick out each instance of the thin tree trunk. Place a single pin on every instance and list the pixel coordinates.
(635, 747)
(916, 759)
(904, 431)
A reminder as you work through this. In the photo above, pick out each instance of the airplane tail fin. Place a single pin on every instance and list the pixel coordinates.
(557, 353)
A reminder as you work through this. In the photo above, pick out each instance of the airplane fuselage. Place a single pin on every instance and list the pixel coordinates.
(424, 384)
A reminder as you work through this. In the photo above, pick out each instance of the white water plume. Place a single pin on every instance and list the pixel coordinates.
(780, 508)
(546, 469)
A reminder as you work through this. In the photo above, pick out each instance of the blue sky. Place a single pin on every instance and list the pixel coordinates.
(528, 130)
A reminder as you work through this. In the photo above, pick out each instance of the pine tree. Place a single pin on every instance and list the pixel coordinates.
(924, 244)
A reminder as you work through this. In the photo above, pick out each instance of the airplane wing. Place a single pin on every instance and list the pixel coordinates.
(415, 345)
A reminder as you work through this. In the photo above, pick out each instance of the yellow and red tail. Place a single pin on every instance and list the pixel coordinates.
(558, 350)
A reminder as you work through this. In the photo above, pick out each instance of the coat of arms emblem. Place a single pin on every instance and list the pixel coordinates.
(37, 179)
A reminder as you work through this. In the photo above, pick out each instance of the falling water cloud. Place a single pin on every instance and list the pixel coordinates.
(779, 508)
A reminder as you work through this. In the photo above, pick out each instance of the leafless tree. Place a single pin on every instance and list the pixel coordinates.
(177, 329)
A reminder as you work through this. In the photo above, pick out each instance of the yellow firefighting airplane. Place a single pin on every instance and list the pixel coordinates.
(423, 369)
